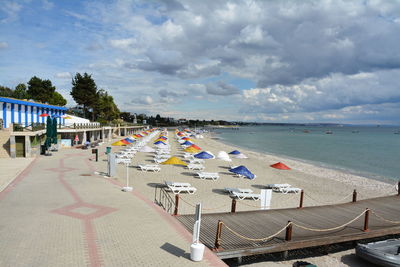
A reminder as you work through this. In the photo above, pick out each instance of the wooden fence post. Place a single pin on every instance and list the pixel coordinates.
(233, 206)
(398, 188)
(176, 204)
(301, 199)
(354, 196)
(366, 219)
(288, 235)
(217, 245)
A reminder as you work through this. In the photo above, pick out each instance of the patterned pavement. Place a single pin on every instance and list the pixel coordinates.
(58, 213)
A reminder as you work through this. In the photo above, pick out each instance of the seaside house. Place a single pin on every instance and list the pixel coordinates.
(23, 129)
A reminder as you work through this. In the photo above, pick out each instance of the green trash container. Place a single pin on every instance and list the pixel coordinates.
(108, 150)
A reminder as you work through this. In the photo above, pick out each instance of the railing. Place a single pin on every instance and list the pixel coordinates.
(164, 200)
(86, 125)
(32, 127)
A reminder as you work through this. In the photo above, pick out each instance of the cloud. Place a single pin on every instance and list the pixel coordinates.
(3, 45)
(143, 100)
(9, 10)
(47, 5)
(221, 88)
(63, 75)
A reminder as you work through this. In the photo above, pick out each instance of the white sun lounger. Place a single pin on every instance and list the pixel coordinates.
(291, 190)
(238, 190)
(277, 187)
(145, 168)
(122, 160)
(208, 175)
(177, 184)
(164, 156)
(242, 196)
(188, 156)
(178, 189)
(196, 161)
(158, 161)
(199, 167)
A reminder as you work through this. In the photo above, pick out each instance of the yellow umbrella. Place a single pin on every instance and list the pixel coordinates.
(67, 118)
(191, 150)
(174, 161)
(118, 143)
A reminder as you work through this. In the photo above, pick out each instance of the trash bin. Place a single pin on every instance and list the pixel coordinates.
(196, 252)
(108, 150)
(42, 149)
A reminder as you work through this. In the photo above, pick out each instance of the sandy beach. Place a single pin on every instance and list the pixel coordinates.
(321, 186)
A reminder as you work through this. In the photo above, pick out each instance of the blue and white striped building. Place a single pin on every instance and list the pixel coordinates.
(27, 112)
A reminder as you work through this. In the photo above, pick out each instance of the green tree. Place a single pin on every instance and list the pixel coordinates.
(105, 108)
(21, 92)
(5, 91)
(84, 92)
(40, 90)
(57, 99)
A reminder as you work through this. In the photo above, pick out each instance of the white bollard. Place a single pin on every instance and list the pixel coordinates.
(197, 252)
(127, 188)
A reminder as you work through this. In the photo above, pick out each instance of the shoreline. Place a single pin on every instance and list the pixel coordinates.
(317, 164)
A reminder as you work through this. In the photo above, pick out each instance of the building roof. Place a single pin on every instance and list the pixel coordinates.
(29, 103)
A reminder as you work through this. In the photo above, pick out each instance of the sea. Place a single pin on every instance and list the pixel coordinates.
(369, 151)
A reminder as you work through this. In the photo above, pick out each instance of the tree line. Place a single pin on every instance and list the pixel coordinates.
(37, 90)
(92, 103)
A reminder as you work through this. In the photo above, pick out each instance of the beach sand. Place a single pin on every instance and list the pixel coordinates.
(321, 186)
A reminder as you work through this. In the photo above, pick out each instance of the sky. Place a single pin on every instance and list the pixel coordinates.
(331, 61)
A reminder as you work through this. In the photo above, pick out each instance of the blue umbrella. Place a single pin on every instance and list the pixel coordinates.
(159, 142)
(204, 155)
(128, 140)
(187, 143)
(234, 152)
(242, 170)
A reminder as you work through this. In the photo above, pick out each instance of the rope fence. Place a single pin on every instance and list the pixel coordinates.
(328, 202)
(290, 224)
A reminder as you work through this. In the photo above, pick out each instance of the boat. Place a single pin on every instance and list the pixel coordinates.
(382, 253)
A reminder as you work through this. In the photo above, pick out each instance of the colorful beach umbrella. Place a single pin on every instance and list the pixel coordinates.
(191, 150)
(204, 155)
(234, 152)
(242, 170)
(187, 143)
(174, 161)
(125, 142)
(118, 143)
(280, 166)
(159, 142)
(195, 147)
(128, 140)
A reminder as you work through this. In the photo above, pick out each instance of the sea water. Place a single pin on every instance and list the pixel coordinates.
(369, 151)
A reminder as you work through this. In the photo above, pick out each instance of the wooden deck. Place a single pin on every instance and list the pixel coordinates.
(260, 224)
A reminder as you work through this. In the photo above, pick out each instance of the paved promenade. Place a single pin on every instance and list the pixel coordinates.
(54, 214)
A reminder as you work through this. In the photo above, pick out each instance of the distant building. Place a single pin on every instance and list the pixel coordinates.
(27, 112)
(182, 121)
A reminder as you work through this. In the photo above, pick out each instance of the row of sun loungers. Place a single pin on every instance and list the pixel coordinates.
(193, 166)
(284, 188)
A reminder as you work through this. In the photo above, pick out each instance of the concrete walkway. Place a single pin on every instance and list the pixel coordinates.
(58, 213)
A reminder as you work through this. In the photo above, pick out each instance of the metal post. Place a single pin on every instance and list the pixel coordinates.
(366, 219)
(288, 235)
(176, 204)
(217, 245)
(354, 196)
(233, 206)
(301, 199)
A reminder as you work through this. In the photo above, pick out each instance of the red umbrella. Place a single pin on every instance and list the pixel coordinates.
(280, 166)
(44, 115)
